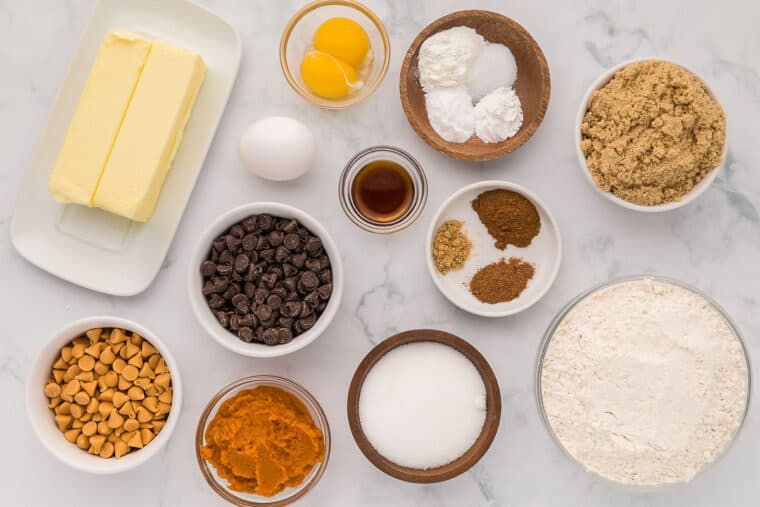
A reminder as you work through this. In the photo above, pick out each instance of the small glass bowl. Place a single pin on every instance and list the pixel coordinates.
(299, 34)
(569, 307)
(393, 154)
(289, 495)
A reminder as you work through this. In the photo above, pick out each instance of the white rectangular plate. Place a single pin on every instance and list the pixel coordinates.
(92, 248)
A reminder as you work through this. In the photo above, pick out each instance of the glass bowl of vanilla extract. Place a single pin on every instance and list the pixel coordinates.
(382, 189)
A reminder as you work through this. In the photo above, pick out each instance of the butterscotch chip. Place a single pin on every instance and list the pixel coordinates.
(136, 339)
(143, 415)
(76, 411)
(135, 393)
(163, 380)
(93, 334)
(63, 421)
(97, 442)
(131, 425)
(107, 395)
(77, 424)
(90, 428)
(54, 402)
(131, 349)
(100, 368)
(60, 364)
(107, 450)
(165, 397)
(136, 361)
(151, 403)
(77, 350)
(52, 390)
(92, 407)
(103, 428)
(146, 436)
(71, 388)
(115, 420)
(107, 356)
(58, 376)
(129, 372)
(135, 440)
(86, 363)
(85, 417)
(82, 398)
(71, 435)
(94, 350)
(73, 371)
(83, 442)
(85, 376)
(127, 409)
(119, 399)
(118, 365)
(66, 354)
(105, 408)
(120, 449)
(117, 336)
(144, 383)
(148, 349)
(124, 384)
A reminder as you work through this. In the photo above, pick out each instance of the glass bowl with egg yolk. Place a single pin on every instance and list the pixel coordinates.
(334, 53)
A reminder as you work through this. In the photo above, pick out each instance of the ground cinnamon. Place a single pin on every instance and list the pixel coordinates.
(501, 281)
(510, 218)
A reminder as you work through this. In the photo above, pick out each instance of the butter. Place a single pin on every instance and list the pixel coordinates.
(151, 132)
(94, 127)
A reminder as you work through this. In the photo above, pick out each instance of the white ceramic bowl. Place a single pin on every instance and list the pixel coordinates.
(544, 252)
(207, 318)
(698, 189)
(42, 417)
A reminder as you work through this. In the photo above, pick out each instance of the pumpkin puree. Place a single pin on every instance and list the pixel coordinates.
(263, 440)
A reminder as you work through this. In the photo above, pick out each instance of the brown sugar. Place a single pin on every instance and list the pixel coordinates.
(652, 133)
(263, 440)
(501, 281)
(511, 219)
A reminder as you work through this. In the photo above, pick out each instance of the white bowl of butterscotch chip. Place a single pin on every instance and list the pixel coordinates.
(104, 395)
(650, 135)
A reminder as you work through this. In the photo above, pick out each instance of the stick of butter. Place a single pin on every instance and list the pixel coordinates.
(98, 117)
(151, 132)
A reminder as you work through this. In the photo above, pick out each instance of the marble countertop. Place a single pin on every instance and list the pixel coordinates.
(712, 244)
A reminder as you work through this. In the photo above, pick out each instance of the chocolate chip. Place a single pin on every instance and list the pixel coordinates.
(249, 242)
(241, 263)
(236, 277)
(321, 307)
(276, 271)
(324, 261)
(241, 303)
(290, 226)
(263, 312)
(306, 309)
(249, 224)
(254, 270)
(249, 289)
(220, 284)
(269, 279)
(274, 302)
(309, 280)
(312, 298)
(234, 322)
(313, 246)
(246, 334)
(298, 260)
(270, 336)
(226, 258)
(223, 269)
(325, 276)
(290, 284)
(233, 243)
(222, 318)
(237, 231)
(265, 222)
(308, 322)
(313, 265)
(289, 269)
(267, 255)
(284, 335)
(281, 254)
(208, 268)
(291, 241)
(275, 238)
(215, 301)
(208, 288)
(285, 322)
(219, 244)
(261, 295)
(291, 309)
(262, 243)
(280, 291)
(324, 291)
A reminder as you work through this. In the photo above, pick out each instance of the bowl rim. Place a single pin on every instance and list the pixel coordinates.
(472, 455)
(202, 311)
(453, 150)
(605, 77)
(567, 308)
(506, 185)
(293, 388)
(351, 99)
(43, 361)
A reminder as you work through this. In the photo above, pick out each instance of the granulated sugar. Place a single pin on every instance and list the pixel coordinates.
(644, 383)
(422, 405)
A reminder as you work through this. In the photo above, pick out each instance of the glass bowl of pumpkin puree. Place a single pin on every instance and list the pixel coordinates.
(262, 441)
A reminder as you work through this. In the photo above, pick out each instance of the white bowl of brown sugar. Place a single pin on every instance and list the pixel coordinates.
(650, 135)
(493, 248)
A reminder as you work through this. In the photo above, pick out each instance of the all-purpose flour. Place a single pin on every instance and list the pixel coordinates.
(644, 383)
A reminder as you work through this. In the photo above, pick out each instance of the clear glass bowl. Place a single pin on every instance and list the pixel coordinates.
(299, 34)
(393, 154)
(289, 495)
(570, 306)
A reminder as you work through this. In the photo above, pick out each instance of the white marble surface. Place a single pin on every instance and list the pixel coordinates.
(712, 244)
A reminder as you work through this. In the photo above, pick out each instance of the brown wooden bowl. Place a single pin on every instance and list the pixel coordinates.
(533, 84)
(469, 458)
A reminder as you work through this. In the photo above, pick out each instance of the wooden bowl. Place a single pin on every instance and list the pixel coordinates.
(469, 458)
(533, 84)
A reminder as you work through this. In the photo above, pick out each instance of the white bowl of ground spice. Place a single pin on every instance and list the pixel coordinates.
(493, 248)
(650, 135)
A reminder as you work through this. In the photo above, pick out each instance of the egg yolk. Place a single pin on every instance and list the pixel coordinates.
(344, 39)
(327, 76)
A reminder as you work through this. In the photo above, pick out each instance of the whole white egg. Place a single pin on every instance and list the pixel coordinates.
(277, 148)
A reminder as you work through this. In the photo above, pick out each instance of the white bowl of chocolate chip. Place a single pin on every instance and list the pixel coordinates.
(266, 279)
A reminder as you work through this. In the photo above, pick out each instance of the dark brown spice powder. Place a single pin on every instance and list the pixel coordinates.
(510, 218)
(501, 281)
